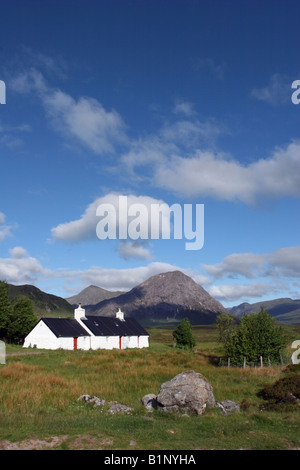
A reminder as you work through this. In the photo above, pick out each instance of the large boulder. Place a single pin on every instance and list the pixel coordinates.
(189, 392)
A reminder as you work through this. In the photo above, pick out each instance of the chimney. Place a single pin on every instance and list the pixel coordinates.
(79, 313)
(120, 315)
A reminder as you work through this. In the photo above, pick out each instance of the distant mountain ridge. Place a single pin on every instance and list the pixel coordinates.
(285, 310)
(92, 295)
(167, 297)
(44, 304)
(163, 298)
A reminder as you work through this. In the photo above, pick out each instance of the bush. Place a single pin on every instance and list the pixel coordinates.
(285, 391)
(256, 336)
(183, 335)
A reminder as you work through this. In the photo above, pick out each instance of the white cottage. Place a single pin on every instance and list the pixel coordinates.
(87, 332)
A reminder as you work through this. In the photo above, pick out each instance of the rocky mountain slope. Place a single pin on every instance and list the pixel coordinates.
(165, 297)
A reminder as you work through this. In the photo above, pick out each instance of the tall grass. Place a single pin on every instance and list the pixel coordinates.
(38, 396)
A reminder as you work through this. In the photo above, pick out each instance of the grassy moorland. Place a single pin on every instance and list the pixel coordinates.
(39, 407)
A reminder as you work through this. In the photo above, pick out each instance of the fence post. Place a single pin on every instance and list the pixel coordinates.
(228, 362)
(261, 361)
(244, 363)
(281, 360)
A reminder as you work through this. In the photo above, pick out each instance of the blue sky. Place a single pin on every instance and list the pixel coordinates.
(185, 102)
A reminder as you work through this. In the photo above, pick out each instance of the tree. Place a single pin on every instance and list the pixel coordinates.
(226, 324)
(257, 336)
(5, 310)
(183, 335)
(22, 321)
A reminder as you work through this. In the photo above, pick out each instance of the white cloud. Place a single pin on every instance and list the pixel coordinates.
(174, 159)
(248, 265)
(5, 228)
(284, 262)
(180, 156)
(214, 175)
(133, 249)
(18, 252)
(184, 107)
(278, 90)
(84, 228)
(190, 133)
(84, 119)
(28, 81)
(10, 135)
(22, 268)
(240, 293)
(78, 230)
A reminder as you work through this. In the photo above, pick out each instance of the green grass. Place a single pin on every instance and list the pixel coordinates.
(38, 399)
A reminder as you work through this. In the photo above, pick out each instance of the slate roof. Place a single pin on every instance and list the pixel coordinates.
(112, 326)
(65, 327)
(99, 326)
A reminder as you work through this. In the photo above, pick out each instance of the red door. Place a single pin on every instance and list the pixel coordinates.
(120, 342)
(75, 344)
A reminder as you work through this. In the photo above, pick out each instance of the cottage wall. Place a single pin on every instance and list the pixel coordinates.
(117, 342)
(143, 342)
(41, 337)
(84, 342)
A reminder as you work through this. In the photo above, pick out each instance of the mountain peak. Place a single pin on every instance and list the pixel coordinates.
(167, 296)
(92, 295)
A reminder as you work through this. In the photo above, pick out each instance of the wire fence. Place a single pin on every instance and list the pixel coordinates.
(262, 362)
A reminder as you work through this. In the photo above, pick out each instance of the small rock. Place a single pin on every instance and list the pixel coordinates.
(227, 406)
(118, 408)
(91, 399)
(149, 401)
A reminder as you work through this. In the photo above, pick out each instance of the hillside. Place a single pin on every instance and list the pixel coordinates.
(284, 310)
(45, 305)
(166, 297)
(92, 295)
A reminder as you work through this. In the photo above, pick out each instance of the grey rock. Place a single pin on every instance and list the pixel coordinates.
(91, 399)
(119, 409)
(188, 392)
(227, 406)
(149, 401)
